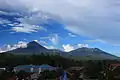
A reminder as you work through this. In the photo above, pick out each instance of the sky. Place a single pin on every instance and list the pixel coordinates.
(60, 24)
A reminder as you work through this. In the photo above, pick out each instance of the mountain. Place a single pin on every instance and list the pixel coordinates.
(78, 54)
(33, 48)
(91, 53)
(61, 53)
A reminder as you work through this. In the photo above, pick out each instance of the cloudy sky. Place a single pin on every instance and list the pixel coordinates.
(61, 24)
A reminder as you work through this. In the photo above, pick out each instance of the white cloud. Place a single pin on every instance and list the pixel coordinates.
(27, 24)
(82, 45)
(31, 23)
(71, 35)
(4, 21)
(54, 39)
(9, 13)
(50, 47)
(1, 51)
(96, 40)
(20, 44)
(6, 48)
(48, 37)
(36, 41)
(68, 48)
(98, 19)
(26, 28)
(42, 42)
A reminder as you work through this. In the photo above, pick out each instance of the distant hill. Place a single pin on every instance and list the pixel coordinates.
(78, 54)
(33, 48)
(91, 53)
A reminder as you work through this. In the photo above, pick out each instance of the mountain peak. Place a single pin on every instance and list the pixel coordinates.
(93, 53)
(97, 49)
(86, 49)
(34, 44)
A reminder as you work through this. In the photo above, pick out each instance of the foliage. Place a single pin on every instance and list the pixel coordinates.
(54, 60)
(93, 67)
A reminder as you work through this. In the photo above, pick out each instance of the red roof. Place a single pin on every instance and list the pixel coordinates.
(115, 65)
(12, 78)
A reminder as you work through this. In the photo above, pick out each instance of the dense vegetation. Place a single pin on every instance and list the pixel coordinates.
(7, 59)
(54, 60)
(93, 67)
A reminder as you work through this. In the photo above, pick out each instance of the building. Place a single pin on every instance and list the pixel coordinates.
(44, 67)
(34, 68)
(2, 69)
(26, 68)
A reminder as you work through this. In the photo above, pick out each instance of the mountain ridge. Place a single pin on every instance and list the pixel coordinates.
(92, 52)
(35, 48)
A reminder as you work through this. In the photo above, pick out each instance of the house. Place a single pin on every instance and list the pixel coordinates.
(114, 66)
(114, 71)
(26, 68)
(33, 68)
(2, 69)
(44, 67)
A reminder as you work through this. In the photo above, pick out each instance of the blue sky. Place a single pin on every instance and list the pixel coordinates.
(61, 24)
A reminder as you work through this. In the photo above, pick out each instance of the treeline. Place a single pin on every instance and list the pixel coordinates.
(93, 67)
(7, 59)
